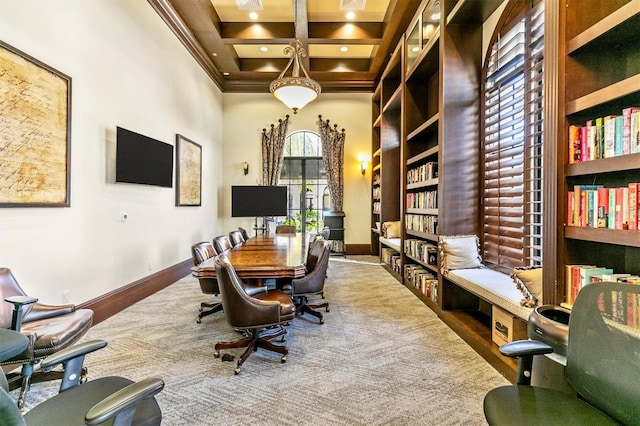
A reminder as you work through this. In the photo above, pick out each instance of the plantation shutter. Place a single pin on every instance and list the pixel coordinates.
(512, 205)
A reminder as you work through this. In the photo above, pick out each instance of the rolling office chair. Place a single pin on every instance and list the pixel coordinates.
(108, 400)
(285, 229)
(603, 355)
(244, 233)
(236, 238)
(50, 328)
(313, 282)
(222, 243)
(209, 285)
(261, 317)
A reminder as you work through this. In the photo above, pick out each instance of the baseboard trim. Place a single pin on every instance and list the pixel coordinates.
(115, 301)
(358, 249)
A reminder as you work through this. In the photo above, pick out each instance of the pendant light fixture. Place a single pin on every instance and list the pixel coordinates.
(295, 91)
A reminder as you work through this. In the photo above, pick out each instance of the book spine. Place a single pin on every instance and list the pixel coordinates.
(617, 139)
(634, 199)
(603, 207)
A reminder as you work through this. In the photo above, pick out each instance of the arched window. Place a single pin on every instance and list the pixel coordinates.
(304, 174)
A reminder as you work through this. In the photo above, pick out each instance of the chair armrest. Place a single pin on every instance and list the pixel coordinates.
(310, 283)
(521, 348)
(42, 311)
(122, 403)
(524, 350)
(73, 360)
(18, 303)
(253, 290)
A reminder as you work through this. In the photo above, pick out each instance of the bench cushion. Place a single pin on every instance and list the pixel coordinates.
(494, 287)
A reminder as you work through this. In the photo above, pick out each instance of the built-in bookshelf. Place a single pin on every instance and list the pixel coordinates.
(596, 92)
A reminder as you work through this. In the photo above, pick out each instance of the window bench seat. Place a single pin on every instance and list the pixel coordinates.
(393, 243)
(492, 286)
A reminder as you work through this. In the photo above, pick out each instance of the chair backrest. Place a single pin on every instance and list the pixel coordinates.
(240, 309)
(236, 238)
(222, 244)
(285, 229)
(9, 287)
(244, 233)
(202, 251)
(316, 248)
(603, 354)
(325, 233)
(313, 281)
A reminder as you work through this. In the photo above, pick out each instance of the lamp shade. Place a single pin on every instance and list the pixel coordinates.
(295, 93)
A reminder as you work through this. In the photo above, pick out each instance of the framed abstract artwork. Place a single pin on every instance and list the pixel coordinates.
(35, 141)
(188, 172)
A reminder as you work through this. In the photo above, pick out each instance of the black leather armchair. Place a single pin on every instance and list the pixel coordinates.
(261, 317)
(109, 400)
(236, 238)
(222, 243)
(49, 328)
(313, 282)
(602, 366)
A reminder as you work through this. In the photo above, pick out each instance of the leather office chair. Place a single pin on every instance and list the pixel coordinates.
(244, 233)
(222, 244)
(285, 229)
(107, 400)
(236, 238)
(200, 252)
(261, 317)
(208, 285)
(50, 328)
(313, 282)
(602, 366)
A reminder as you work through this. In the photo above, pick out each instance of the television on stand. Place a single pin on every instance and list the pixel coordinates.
(258, 201)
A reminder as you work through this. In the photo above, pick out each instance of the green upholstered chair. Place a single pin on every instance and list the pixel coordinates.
(603, 366)
(108, 400)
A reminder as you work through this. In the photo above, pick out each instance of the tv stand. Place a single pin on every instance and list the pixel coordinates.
(256, 228)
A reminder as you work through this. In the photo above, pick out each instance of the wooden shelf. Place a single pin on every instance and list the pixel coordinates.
(433, 212)
(423, 184)
(472, 11)
(604, 165)
(615, 20)
(626, 87)
(604, 235)
(424, 235)
(432, 268)
(394, 101)
(429, 125)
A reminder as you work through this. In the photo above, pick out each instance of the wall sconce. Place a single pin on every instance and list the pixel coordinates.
(245, 168)
(364, 162)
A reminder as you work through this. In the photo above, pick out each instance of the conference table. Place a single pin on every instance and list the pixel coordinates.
(262, 257)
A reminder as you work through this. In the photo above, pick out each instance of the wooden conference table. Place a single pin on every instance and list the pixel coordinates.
(263, 256)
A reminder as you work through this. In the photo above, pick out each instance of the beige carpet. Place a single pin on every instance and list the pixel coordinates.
(381, 358)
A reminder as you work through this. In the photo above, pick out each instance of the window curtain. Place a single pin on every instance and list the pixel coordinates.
(333, 158)
(272, 151)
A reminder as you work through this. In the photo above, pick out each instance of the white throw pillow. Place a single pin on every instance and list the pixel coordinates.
(459, 252)
(529, 281)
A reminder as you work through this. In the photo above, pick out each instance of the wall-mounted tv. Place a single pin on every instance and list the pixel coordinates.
(255, 201)
(141, 159)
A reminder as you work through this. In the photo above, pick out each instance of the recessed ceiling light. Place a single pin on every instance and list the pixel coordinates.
(415, 49)
(225, 73)
(253, 15)
(264, 48)
(435, 16)
(344, 48)
(351, 15)
(214, 54)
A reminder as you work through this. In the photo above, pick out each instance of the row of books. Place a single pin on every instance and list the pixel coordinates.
(605, 137)
(422, 173)
(376, 206)
(422, 200)
(376, 192)
(421, 223)
(423, 280)
(622, 307)
(391, 258)
(595, 206)
(421, 250)
(578, 276)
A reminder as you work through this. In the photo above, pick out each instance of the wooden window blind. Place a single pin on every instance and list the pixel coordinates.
(512, 196)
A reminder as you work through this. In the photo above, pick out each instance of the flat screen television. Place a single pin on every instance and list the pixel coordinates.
(258, 201)
(141, 159)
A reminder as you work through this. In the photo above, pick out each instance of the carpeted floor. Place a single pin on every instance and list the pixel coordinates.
(381, 358)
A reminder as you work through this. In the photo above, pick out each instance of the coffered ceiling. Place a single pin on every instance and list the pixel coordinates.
(244, 53)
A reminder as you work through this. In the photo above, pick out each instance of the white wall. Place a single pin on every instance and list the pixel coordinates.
(245, 115)
(128, 69)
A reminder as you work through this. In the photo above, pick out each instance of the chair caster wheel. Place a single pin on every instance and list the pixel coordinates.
(321, 321)
(236, 371)
(283, 359)
(199, 320)
(216, 354)
(201, 309)
(326, 309)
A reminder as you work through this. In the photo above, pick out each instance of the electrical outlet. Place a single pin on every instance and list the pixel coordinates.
(123, 216)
